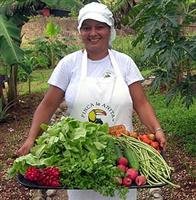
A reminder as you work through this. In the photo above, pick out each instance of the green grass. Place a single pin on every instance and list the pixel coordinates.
(176, 120)
(38, 82)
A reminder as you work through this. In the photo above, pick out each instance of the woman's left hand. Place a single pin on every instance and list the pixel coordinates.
(160, 137)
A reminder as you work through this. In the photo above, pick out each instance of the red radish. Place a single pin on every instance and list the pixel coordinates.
(122, 168)
(55, 183)
(132, 173)
(123, 161)
(140, 180)
(126, 181)
(45, 12)
(32, 174)
(49, 176)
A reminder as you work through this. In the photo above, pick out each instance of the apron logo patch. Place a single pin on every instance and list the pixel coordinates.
(98, 113)
(94, 115)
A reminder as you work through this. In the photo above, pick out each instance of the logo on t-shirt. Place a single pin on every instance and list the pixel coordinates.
(108, 73)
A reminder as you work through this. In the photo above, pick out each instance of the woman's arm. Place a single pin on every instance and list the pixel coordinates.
(145, 112)
(43, 114)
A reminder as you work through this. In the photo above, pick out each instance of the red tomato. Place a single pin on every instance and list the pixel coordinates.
(155, 145)
(146, 140)
(145, 137)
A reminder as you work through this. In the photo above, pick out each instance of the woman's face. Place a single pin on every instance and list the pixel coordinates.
(95, 36)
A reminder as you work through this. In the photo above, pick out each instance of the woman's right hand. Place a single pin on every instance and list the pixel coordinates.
(25, 148)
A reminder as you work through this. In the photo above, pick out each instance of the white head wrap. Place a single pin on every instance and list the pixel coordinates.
(98, 12)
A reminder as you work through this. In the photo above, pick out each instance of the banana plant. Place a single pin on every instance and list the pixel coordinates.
(13, 14)
(11, 22)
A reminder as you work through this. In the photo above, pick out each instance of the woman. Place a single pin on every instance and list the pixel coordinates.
(99, 85)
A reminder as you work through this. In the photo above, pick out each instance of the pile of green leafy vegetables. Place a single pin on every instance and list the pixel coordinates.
(83, 151)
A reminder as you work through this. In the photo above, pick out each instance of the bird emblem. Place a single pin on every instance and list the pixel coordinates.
(93, 116)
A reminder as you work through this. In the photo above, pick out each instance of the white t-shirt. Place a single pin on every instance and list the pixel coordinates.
(66, 75)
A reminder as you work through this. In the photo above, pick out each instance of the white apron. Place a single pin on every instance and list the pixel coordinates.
(102, 100)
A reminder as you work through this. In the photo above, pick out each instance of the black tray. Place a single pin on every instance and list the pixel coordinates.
(26, 183)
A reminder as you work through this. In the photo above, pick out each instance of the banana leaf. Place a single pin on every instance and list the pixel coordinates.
(9, 41)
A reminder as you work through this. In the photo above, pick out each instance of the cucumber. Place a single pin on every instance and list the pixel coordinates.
(118, 151)
(132, 158)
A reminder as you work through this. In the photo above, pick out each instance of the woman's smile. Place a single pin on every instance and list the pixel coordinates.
(94, 40)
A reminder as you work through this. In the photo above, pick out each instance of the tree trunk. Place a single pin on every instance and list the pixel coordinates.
(2, 79)
(12, 83)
